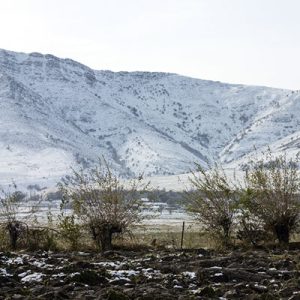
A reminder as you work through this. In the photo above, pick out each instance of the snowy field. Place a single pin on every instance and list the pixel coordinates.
(154, 220)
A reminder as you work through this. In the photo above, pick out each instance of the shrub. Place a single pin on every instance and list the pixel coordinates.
(69, 228)
(14, 218)
(272, 193)
(212, 201)
(102, 202)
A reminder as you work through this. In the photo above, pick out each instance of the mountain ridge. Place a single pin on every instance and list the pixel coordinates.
(142, 122)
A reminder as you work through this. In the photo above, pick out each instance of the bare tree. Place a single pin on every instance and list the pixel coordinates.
(272, 193)
(103, 202)
(14, 214)
(212, 201)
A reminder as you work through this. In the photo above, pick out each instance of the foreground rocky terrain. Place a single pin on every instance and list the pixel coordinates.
(197, 274)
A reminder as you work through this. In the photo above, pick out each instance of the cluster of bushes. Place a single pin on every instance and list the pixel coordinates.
(20, 227)
(261, 206)
(95, 205)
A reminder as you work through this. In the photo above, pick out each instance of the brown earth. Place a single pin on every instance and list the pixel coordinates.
(147, 275)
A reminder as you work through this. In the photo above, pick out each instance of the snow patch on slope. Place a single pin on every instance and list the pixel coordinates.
(56, 113)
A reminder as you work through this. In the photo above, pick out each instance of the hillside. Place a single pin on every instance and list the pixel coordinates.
(56, 113)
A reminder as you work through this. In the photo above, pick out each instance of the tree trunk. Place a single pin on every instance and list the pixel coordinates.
(14, 232)
(106, 235)
(282, 231)
(226, 226)
(103, 235)
(105, 238)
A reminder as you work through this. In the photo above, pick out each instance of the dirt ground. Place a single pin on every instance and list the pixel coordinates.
(151, 274)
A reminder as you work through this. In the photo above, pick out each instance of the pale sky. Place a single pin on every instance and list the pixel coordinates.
(237, 41)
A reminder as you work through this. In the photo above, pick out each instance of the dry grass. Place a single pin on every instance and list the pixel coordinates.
(169, 236)
(142, 237)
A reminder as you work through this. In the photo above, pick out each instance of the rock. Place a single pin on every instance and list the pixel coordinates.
(286, 292)
(259, 288)
(208, 291)
(89, 277)
(17, 297)
(47, 296)
(38, 290)
(295, 297)
(113, 294)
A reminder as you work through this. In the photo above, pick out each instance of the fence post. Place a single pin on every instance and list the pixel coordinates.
(182, 234)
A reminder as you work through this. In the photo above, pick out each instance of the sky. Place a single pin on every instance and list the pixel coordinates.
(253, 42)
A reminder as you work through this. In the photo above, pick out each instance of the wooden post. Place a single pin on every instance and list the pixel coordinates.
(182, 234)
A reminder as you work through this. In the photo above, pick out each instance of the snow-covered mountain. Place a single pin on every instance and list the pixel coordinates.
(56, 113)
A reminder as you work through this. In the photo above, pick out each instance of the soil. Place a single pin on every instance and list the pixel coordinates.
(147, 275)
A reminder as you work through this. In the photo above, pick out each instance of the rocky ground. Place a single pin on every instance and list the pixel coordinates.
(151, 275)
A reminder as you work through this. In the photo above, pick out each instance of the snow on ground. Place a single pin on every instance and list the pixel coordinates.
(25, 167)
